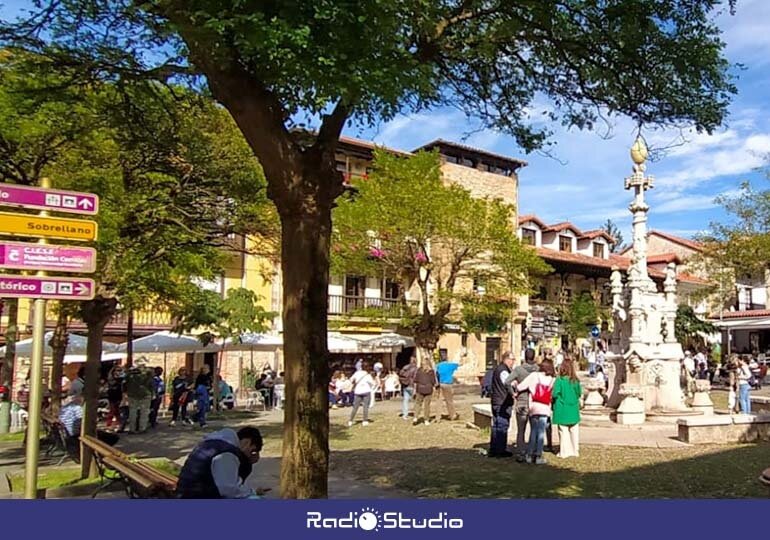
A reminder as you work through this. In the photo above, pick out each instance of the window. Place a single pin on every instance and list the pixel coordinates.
(599, 250)
(529, 236)
(342, 166)
(464, 340)
(355, 286)
(467, 162)
(479, 286)
(565, 243)
(541, 294)
(391, 290)
(450, 159)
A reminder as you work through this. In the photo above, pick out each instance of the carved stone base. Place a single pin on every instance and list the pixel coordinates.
(631, 409)
(701, 400)
(594, 398)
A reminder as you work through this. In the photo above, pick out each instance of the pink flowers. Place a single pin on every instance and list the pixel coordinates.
(420, 257)
(376, 253)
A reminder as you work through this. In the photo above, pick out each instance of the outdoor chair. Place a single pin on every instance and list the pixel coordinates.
(254, 400)
(279, 391)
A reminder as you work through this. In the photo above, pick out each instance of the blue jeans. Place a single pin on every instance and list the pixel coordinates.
(744, 398)
(407, 394)
(501, 421)
(537, 425)
(203, 405)
(591, 368)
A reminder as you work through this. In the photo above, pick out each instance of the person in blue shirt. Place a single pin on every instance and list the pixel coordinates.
(159, 392)
(445, 370)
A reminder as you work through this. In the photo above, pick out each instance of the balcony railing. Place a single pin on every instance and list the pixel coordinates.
(352, 305)
(144, 320)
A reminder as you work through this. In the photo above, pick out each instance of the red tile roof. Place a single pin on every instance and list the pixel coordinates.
(663, 258)
(614, 261)
(595, 233)
(692, 244)
(754, 313)
(689, 278)
(533, 218)
(558, 227)
(442, 142)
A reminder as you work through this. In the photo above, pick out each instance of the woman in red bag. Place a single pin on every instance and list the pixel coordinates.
(540, 386)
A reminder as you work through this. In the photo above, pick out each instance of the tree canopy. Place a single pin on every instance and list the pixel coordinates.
(611, 228)
(407, 222)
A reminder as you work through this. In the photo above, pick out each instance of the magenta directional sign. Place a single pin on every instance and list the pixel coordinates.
(49, 199)
(50, 288)
(23, 256)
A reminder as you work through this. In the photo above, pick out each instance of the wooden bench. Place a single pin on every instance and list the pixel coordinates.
(141, 481)
(55, 436)
(765, 477)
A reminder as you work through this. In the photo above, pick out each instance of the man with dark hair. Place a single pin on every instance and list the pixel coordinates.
(218, 467)
(522, 401)
(502, 403)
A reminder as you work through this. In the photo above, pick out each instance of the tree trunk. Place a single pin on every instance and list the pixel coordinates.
(59, 345)
(96, 314)
(305, 267)
(130, 339)
(6, 373)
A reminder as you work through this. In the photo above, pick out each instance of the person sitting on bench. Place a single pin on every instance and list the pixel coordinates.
(71, 417)
(218, 467)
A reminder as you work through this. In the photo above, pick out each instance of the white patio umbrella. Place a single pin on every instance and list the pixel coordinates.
(81, 358)
(166, 342)
(337, 343)
(254, 342)
(390, 341)
(76, 344)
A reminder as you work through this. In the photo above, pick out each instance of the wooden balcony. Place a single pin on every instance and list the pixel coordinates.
(362, 306)
(145, 322)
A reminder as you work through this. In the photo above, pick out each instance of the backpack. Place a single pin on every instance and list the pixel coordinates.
(406, 375)
(543, 394)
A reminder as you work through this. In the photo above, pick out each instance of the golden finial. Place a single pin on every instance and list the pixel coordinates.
(639, 151)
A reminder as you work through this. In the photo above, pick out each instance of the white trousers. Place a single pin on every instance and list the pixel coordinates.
(569, 441)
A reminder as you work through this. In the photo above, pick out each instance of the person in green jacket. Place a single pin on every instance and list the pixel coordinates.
(566, 409)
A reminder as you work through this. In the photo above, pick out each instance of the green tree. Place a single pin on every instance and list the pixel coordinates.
(579, 315)
(406, 223)
(611, 228)
(737, 249)
(689, 328)
(221, 319)
(272, 64)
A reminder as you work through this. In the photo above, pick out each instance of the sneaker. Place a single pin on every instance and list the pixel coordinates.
(365, 423)
(188, 422)
(172, 423)
(350, 423)
(427, 422)
(540, 461)
(416, 422)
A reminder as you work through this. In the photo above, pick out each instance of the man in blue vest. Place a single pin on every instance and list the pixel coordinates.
(218, 467)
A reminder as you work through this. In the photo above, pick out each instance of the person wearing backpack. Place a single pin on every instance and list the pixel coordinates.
(425, 383)
(540, 387)
(566, 409)
(406, 378)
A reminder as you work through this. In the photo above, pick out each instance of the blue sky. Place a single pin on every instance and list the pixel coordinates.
(585, 183)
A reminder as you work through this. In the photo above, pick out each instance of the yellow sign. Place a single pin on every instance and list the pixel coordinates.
(47, 227)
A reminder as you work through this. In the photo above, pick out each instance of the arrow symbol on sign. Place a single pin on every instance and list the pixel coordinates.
(82, 289)
(85, 203)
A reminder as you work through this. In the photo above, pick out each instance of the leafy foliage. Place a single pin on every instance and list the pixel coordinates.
(237, 313)
(580, 314)
(738, 249)
(405, 222)
(614, 231)
(688, 327)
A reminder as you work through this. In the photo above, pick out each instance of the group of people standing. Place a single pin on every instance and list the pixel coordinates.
(539, 398)
(416, 384)
(134, 395)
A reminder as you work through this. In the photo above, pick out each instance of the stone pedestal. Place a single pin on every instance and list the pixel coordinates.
(594, 399)
(631, 409)
(701, 401)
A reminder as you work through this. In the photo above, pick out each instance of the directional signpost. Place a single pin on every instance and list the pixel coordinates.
(40, 257)
(47, 227)
(55, 200)
(23, 256)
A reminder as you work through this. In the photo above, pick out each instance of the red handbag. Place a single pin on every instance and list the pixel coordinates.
(543, 394)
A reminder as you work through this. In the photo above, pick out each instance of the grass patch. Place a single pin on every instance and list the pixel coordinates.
(53, 478)
(12, 437)
(163, 465)
(445, 460)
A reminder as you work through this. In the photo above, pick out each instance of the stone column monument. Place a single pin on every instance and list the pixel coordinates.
(646, 329)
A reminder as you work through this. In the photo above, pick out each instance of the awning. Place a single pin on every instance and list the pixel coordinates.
(81, 358)
(166, 342)
(76, 344)
(254, 342)
(748, 323)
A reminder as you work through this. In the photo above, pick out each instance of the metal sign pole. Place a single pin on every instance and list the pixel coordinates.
(36, 385)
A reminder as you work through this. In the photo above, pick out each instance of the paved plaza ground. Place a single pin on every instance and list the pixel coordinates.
(390, 458)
